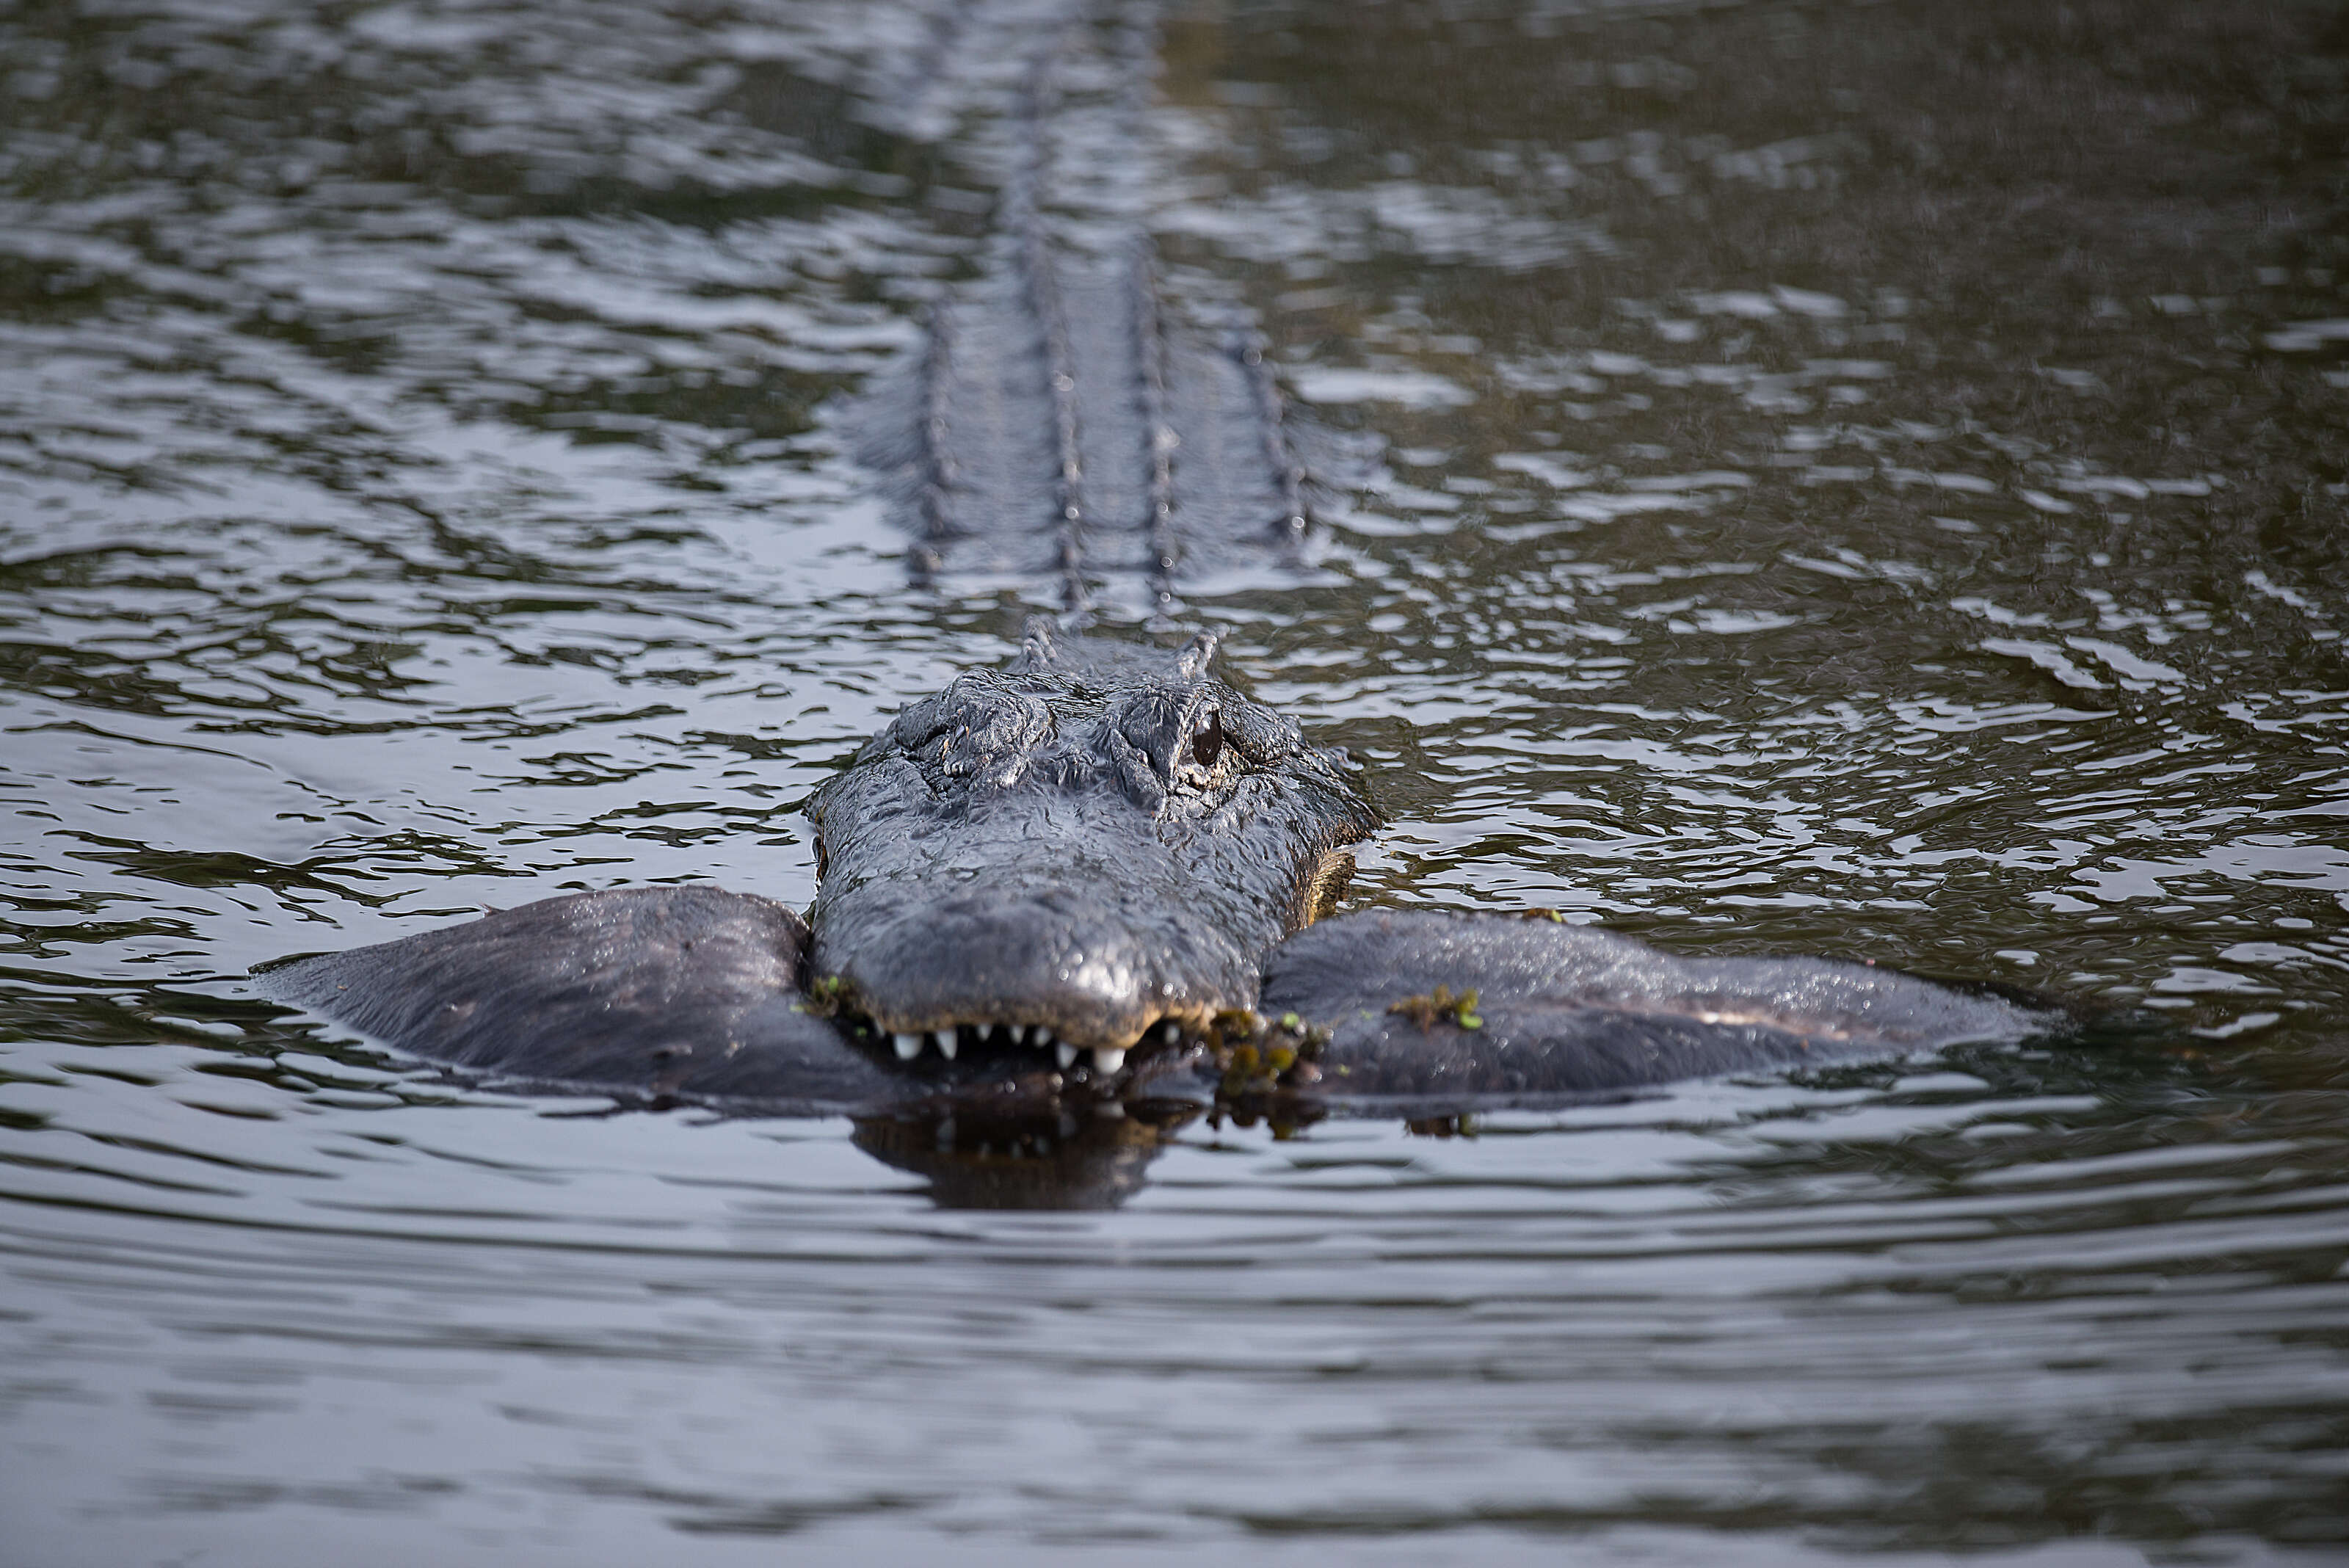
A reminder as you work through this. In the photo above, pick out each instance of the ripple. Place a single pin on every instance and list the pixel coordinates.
(1840, 494)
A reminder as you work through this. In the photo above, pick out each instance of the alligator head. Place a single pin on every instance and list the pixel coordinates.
(1068, 853)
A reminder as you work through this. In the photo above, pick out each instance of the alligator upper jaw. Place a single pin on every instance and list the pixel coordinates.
(1070, 923)
(1023, 961)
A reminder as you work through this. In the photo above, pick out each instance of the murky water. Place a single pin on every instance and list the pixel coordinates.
(1866, 480)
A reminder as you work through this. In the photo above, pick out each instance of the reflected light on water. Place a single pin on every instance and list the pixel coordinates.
(1859, 479)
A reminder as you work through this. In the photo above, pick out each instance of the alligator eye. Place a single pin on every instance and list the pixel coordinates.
(1209, 743)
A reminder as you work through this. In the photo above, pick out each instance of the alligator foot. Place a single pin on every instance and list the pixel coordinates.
(1438, 1008)
(690, 991)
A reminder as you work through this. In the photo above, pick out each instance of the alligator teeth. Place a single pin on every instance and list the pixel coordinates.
(1170, 1032)
(1106, 1059)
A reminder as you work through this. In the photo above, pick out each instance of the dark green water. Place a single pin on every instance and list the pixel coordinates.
(1856, 479)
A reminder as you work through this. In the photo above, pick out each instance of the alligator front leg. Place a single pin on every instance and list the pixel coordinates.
(1445, 1010)
(690, 991)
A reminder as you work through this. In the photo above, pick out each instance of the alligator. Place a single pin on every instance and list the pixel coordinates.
(1066, 905)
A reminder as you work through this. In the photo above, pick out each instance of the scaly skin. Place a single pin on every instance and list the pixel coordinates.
(1082, 848)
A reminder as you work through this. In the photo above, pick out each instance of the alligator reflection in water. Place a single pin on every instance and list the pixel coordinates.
(1071, 1154)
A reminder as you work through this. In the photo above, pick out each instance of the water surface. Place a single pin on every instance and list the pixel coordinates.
(1865, 479)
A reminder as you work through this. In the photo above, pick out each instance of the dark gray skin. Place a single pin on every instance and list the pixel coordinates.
(1565, 1011)
(1088, 847)
(685, 993)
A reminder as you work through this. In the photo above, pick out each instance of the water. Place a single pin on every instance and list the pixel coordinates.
(1859, 479)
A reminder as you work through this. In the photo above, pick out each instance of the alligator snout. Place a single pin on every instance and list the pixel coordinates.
(1056, 969)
